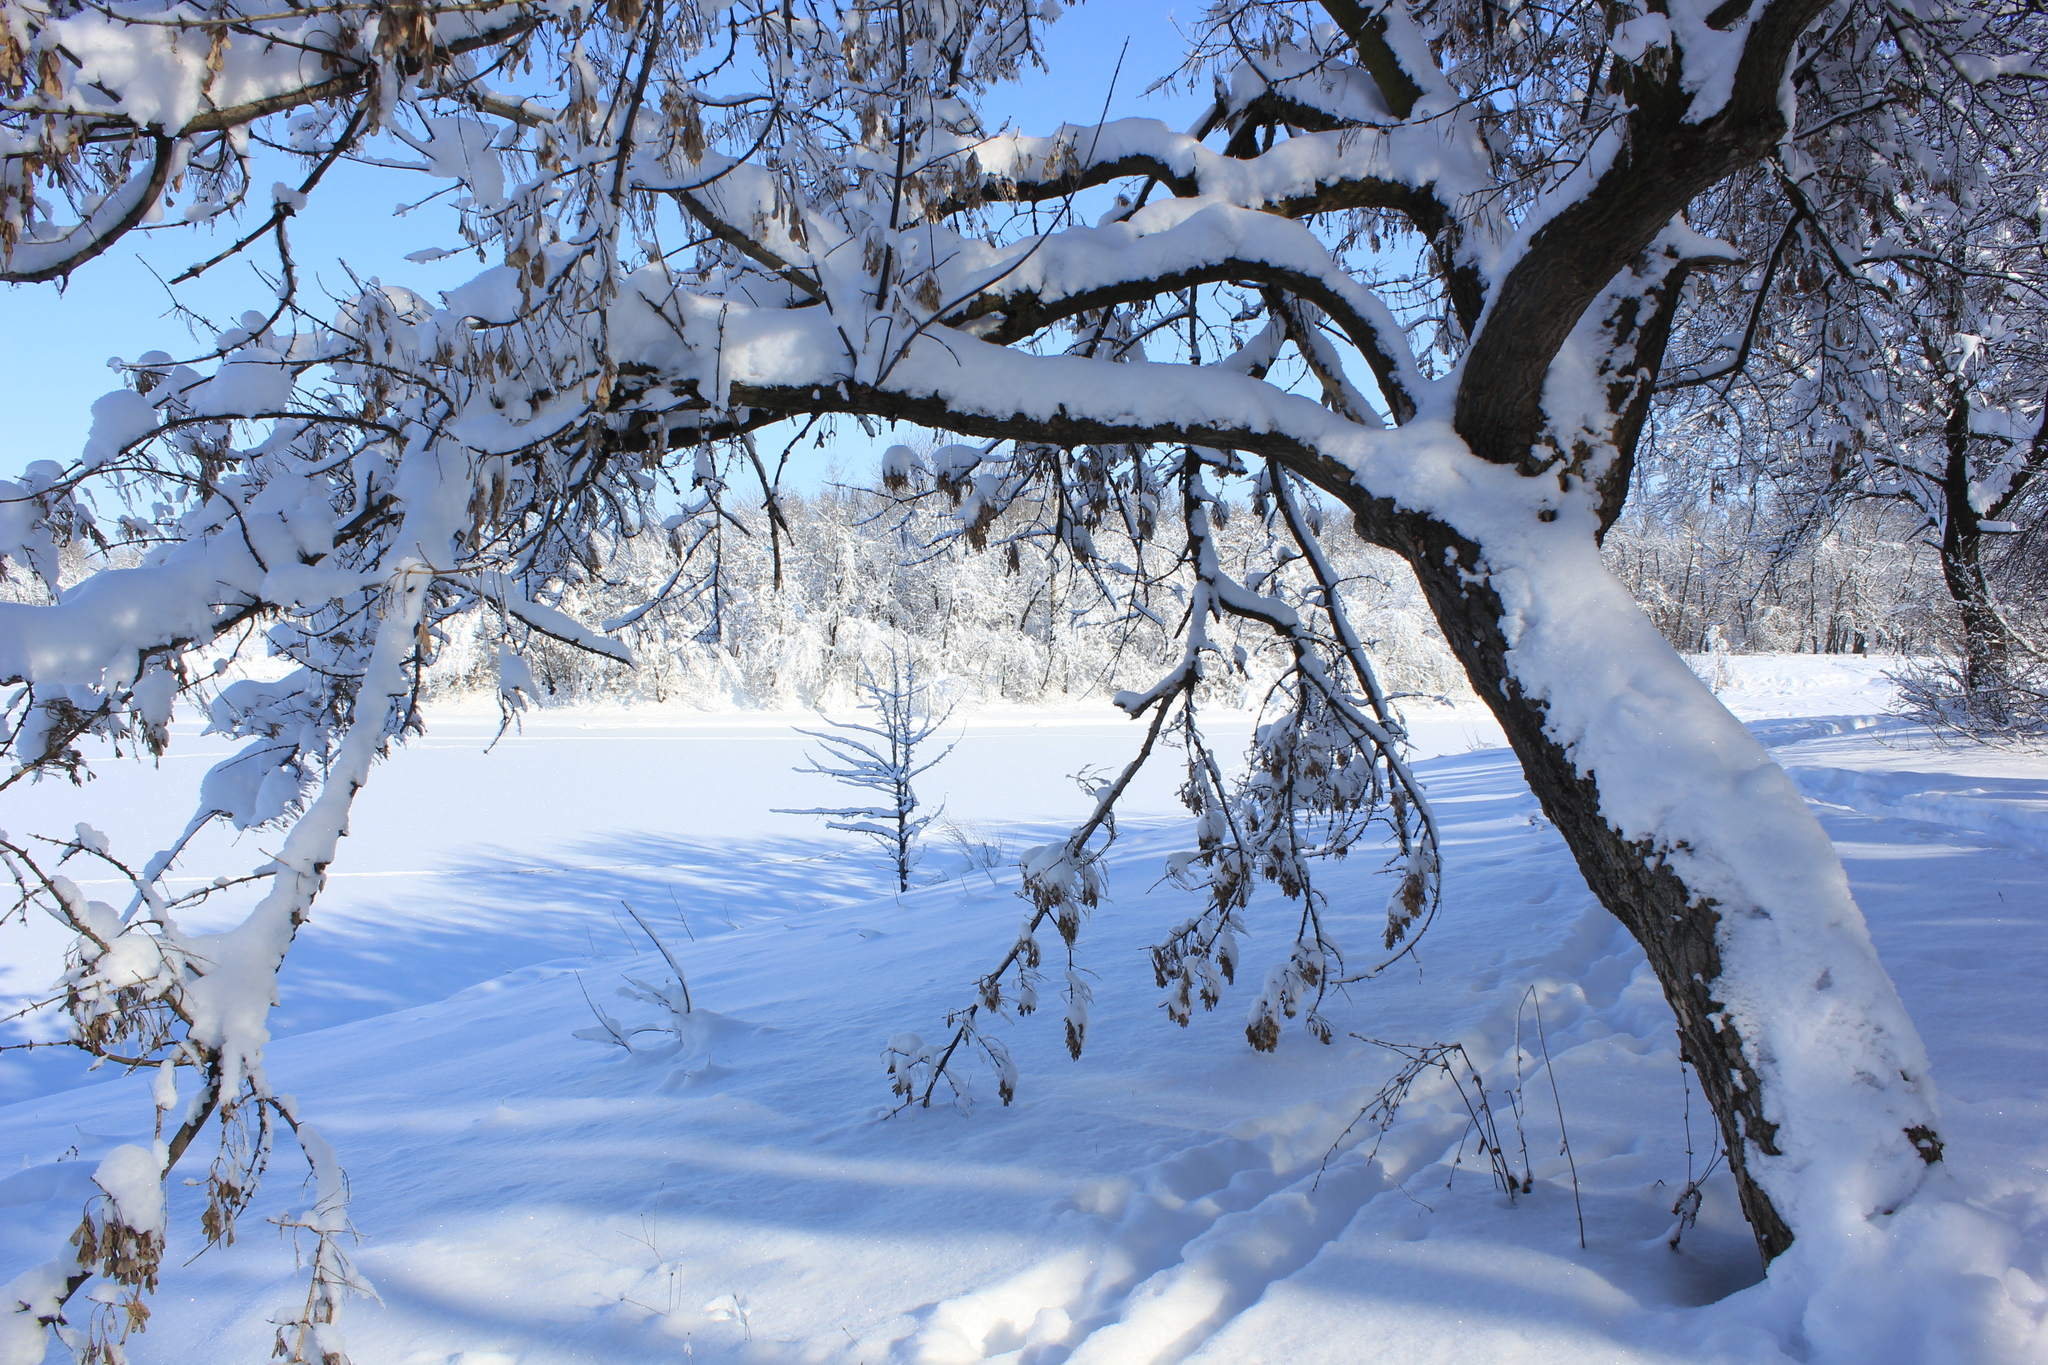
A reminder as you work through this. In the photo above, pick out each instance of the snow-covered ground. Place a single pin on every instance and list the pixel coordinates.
(529, 1197)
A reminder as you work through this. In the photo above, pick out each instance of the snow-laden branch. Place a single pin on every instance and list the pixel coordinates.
(1404, 166)
(502, 592)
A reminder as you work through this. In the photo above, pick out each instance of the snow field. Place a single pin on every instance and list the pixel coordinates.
(527, 1196)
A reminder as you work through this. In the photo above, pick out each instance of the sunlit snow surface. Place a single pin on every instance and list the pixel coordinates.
(526, 1197)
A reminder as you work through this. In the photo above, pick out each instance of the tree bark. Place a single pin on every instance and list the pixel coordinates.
(1676, 928)
(1645, 884)
(1987, 645)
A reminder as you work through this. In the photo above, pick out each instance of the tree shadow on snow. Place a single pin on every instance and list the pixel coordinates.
(394, 941)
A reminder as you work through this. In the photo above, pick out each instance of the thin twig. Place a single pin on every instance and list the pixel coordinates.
(673, 965)
(1565, 1141)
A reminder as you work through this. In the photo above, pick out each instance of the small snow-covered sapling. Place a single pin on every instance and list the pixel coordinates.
(882, 758)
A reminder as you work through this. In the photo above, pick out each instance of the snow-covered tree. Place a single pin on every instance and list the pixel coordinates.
(1885, 339)
(883, 758)
(118, 108)
(1425, 259)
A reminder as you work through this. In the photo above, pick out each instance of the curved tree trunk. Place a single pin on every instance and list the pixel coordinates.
(1702, 847)
(1680, 822)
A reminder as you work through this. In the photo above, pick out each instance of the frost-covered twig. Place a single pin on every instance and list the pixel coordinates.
(1417, 1061)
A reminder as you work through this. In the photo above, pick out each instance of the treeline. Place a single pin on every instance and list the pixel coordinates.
(1724, 574)
(861, 573)
(749, 619)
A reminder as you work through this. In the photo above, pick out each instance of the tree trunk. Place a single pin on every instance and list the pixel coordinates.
(1987, 646)
(1815, 1074)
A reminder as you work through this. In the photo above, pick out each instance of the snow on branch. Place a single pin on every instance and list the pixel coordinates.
(1323, 768)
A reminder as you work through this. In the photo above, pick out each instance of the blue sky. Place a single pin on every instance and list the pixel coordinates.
(54, 344)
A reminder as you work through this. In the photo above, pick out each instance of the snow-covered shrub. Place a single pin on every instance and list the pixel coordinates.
(1937, 692)
(979, 845)
(673, 1009)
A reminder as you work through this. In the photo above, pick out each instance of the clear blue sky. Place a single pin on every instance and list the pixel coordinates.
(54, 344)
